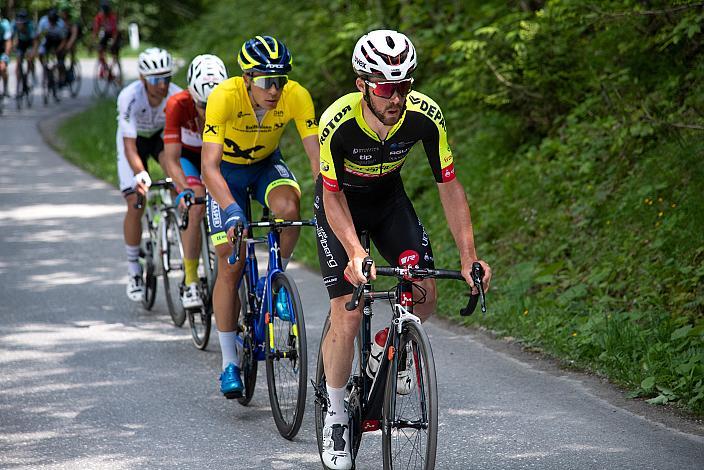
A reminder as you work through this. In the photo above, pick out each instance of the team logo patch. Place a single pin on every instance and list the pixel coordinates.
(282, 170)
(409, 258)
(211, 129)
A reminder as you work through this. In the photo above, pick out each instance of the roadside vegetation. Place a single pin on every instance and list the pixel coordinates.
(578, 132)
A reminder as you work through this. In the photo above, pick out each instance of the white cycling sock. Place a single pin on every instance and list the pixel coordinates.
(133, 266)
(336, 412)
(229, 348)
(284, 262)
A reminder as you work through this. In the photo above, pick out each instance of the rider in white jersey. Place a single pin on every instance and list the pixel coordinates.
(141, 119)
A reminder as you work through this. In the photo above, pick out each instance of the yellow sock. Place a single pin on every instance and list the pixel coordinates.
(191, 268)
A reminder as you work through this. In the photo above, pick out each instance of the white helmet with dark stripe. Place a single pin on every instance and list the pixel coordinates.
(384, 53)
(204, 73)
(155, 62)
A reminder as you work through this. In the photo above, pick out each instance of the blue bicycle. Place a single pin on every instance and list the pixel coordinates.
(271, 325)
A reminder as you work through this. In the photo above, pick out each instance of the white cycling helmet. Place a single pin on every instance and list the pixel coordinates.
(155, 61)
(204, 73)
(384, 53)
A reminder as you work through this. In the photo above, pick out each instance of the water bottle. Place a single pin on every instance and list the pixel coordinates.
(260, 286)
(282, 308)
(376, 352)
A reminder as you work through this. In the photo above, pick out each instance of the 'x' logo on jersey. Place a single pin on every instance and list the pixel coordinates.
(210, 129)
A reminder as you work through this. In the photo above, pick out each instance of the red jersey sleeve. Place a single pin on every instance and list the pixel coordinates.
(172, 128)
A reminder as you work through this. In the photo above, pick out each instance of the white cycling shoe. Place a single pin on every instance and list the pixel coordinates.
(336, 447)
(190, 298)
(135, 289)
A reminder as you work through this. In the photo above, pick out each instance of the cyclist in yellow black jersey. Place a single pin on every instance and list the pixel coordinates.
(354, 157)
(365, 138)
(244, 121)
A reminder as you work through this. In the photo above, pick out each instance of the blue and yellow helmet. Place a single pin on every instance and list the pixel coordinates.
(265, 54)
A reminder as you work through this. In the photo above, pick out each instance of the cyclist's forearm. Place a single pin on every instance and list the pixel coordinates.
(456, 207)
(312, 148)
(132, 155)
(172, 165)
(211, 155)
(340, 219)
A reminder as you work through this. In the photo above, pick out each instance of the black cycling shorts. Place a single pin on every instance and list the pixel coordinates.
(104, 42)
(146, 147)
(150, 147)
(393, 226)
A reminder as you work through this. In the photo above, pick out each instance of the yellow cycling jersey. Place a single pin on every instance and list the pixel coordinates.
(352, 157)
(230, 120)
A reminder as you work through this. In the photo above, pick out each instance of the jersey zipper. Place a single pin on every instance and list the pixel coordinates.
(383, 152)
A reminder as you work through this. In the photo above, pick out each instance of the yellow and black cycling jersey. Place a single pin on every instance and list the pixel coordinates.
(352, 157)
(230, 120)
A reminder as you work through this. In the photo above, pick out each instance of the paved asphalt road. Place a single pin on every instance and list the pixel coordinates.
(90, 380)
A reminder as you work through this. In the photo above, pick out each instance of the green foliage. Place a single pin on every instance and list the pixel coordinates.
(577, 131)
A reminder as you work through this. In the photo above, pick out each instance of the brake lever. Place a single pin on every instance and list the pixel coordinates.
(235, 256)
(477, 276)
(357, 294)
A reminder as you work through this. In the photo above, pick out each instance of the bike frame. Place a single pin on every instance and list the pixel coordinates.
(262, 307)
(371, 391)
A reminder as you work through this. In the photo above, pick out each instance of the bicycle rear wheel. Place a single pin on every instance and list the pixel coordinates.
(287, 364)
(200, 321)
(149, 266)
(410, 430)
(249, 362)
(172, 277)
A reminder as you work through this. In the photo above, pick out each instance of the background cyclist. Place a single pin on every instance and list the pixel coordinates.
(365, 138)
(244, 122)
(5, 49)
(140, 122)
(185, 115)
(106, 32)
(51, 32)
(74, 29)
(25, 42)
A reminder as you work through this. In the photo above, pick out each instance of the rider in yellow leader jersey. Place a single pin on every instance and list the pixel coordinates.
(244, 121)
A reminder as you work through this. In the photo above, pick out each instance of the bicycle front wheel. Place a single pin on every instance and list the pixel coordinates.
(148, 250)
(286, 356)
(410, 412)
(74, 78)
(172, 258)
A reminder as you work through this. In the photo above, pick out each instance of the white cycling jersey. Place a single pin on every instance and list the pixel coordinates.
(136, 118)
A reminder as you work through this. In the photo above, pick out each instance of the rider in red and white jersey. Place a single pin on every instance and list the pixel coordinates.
(185, 116)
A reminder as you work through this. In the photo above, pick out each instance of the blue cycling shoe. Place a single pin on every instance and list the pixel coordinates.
(231, 382)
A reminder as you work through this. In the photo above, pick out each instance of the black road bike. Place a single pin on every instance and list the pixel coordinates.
(407, 416)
